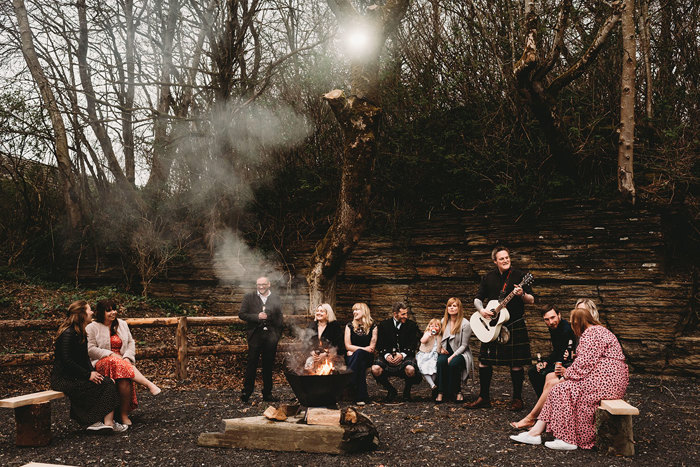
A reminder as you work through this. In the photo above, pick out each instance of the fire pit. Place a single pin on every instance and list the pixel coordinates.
(318, 390)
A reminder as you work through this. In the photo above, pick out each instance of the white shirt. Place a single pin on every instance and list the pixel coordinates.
(264, 297)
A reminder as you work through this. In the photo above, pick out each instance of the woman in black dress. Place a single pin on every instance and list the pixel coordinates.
(360, 342)
(326, 338)
(92, 396)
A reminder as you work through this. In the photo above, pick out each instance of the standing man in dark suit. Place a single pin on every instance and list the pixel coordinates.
(398, 339)
(262, 311)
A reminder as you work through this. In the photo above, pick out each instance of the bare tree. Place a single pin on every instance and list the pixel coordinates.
(358, 115)
(539, 90)
(625, 157)
(70, 195)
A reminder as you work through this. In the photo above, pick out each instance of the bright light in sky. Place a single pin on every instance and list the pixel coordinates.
(359, 40)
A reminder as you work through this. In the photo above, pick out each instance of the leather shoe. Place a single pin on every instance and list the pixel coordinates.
(270, 398)
(434, 393)
(245, 397)
(480, 403)
(516, 405)
(391, 396)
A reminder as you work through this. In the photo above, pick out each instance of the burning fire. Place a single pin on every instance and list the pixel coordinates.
(326, 368)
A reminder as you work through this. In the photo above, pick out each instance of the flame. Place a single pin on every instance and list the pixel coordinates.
(326, 368)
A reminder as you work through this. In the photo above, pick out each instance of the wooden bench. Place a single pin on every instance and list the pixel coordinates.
(32, 417)
(614, 434)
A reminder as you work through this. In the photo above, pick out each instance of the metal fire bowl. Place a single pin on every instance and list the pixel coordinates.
(318, 390)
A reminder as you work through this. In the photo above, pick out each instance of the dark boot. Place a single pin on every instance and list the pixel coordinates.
(407, 391)
(383, 380)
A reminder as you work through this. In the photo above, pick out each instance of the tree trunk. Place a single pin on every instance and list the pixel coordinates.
(625, 174)
(128, 109)
(162, 157)
(70, 195)
(646, 56)
(96, 121)
(358, 115)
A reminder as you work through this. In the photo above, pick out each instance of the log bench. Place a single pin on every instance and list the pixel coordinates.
(32, 417)
(614, 434)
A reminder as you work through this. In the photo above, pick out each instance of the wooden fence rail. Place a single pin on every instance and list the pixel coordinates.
(181, 352)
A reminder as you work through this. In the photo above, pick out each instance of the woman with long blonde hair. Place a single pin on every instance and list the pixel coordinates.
(93, 397)
(454, 359)
(360, 342)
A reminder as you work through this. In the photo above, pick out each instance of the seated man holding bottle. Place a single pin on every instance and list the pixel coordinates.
(546, 373)
(397, 342)
(562, 336)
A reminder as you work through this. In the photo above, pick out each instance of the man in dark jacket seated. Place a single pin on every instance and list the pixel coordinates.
(397, 342)
(561, 334)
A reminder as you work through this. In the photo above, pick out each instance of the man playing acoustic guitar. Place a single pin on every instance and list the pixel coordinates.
(514, 353)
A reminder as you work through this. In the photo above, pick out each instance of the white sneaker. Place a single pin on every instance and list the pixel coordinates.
(525, 438)
(560, 445)
(99, 426)
(120, 428)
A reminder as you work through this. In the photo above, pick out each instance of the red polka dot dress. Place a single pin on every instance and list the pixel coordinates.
(117, 368)
(599, 372)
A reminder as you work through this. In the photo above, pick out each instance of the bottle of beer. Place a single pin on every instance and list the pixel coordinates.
(264, 322)
(569, 354)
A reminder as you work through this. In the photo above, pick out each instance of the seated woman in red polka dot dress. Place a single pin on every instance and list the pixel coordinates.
(599, 372)
(113, 353)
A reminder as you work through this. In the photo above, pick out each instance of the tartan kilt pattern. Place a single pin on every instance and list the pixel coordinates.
(514, 353)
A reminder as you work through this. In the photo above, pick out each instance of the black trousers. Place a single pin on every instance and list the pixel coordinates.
(260, 343)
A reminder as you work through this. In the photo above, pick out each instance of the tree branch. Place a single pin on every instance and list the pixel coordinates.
(578, 68)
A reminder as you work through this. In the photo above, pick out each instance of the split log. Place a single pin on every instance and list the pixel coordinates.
(282, 413)
(349, 416)
(290, 435)
(321, 416)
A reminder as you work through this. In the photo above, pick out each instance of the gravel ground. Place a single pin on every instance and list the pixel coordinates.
(166, 428)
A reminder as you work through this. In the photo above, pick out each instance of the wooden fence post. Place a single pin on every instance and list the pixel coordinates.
(181, 343)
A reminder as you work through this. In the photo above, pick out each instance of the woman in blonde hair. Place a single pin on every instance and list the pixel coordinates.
(325, 337)
(454, 359)
(92, 396)
(360, 342)
(589, 305)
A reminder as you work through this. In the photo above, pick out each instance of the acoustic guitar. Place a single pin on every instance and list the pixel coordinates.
(488, 330)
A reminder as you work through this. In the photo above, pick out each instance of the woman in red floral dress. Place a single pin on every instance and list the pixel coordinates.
(599, 372)
(113, 353)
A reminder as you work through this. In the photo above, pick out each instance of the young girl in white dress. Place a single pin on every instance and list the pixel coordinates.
(427, 354)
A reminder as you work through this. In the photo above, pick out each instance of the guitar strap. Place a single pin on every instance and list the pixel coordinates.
(503, 290)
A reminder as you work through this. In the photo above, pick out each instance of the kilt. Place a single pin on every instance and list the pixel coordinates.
(397, 370)
(514, 353)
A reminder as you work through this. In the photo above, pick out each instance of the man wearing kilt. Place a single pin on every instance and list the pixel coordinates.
(514, 353)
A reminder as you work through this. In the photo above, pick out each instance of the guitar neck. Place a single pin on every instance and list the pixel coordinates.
(504, 302)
